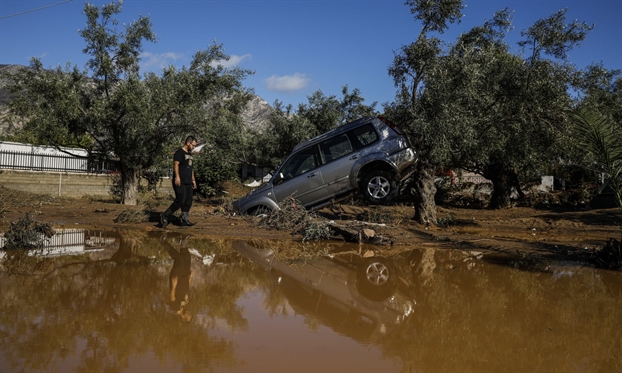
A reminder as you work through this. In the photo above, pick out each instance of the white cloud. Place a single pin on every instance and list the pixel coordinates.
(232, 62)
(287, 83)
(161, 60)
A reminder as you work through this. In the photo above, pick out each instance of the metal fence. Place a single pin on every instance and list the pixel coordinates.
(18, 160)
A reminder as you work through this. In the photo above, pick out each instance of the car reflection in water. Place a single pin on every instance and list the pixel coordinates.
(358, 297)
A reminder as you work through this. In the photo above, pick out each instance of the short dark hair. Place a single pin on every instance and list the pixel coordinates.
(190, 139)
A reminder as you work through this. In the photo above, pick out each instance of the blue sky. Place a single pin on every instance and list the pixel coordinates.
(295, 47)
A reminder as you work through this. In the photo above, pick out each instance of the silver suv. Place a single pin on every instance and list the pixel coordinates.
(370, 155)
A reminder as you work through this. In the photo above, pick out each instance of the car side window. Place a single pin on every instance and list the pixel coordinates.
(335, 148)
(364, 136)
(301, 162)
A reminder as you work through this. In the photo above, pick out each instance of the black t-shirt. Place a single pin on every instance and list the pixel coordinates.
(185, 165)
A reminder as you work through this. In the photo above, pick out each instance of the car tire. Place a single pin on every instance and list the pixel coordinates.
(259, 210)
(375, 279)
(378, 187)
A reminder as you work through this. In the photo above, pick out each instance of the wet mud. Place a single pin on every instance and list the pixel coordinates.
(132, 300)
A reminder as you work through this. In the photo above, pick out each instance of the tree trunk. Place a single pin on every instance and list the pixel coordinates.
(130, 179)
(424, 191)
(128, 248)
(502, 182)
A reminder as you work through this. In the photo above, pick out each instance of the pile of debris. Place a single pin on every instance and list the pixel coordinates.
(292, 216)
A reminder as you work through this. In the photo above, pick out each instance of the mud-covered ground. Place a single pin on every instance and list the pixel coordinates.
(560, 232)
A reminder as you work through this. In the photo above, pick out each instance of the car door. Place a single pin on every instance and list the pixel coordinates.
(302, 178)
(337, 156)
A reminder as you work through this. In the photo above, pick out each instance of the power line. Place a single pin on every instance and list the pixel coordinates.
(34, 10)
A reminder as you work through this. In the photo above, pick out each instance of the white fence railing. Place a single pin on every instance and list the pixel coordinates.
(18, 156)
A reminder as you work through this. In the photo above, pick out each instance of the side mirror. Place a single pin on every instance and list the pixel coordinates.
(278, 179)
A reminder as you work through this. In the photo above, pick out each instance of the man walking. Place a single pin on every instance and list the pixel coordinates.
(183, 184)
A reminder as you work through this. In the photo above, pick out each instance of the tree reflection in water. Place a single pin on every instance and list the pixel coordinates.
(99, 315)
(110, 310)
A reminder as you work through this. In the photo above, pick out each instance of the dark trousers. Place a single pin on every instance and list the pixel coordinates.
(183, 198)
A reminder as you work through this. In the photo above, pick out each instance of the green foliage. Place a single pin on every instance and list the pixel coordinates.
(436, 14)
(110, 109)
(228, 145)
(601, 90)
(553, 36)
(212, 167)
(475, 105)
(601, 140)
(328, 112)
(284, 131)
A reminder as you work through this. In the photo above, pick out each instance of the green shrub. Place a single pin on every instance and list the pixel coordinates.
(210, 169)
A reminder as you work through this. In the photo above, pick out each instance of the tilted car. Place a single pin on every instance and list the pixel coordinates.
(370, 156)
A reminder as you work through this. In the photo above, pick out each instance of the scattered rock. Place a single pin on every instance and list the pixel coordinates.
(477, 254)
(368, 254)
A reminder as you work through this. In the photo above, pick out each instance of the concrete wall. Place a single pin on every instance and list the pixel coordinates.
(66, 184)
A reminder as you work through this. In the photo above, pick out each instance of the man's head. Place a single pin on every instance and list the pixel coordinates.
(191, 143)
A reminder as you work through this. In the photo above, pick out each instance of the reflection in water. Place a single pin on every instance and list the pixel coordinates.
(69, 242)
(180, 277)
(351, 295)
(422, 311)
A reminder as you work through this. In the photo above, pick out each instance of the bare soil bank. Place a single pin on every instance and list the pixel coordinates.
(570, 233)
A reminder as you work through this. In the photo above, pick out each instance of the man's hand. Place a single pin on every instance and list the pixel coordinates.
(194, 184)
(178, 181)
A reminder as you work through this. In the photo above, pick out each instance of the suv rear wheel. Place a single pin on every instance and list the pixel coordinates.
(378, 187)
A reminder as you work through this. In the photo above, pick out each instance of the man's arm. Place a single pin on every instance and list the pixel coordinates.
(194, 182)
(176, 173)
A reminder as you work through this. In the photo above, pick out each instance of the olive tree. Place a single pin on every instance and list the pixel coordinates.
(111, 109)
(600, 89)
(482, 108)
(511, 107)
(412, 65)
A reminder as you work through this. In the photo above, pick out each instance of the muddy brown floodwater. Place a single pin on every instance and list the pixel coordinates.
(135, 301)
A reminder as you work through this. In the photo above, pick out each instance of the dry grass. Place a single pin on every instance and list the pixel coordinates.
(290, 252)
(225, 208)
(137, 214)
(18, 198)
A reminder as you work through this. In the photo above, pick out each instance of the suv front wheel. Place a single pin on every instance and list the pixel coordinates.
(378, 187)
